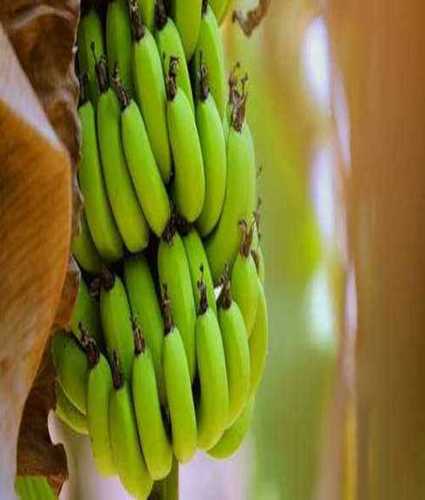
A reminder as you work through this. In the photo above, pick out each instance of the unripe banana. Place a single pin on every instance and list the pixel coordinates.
(99, 215)
(244, 280)
(71, 366)
(34, 488)
(147, 10)
(99, 389)
(210, 50)
(170, 47)
(179, 390)
(68, 413)
(123, 199)
(84, 250)
(258, 343)
(86, 314)
(126, 450)
(150, 90)
(118, 41)
(147, 180)
(213, 146)
(116, 322)
(234, 435)
(213, 410)
(222, 246)
(146, 308)
(90, 33)
(199, 267)
(187, 16)
(258, 257)
(220, 8)
(153, 436)
(174, 272)
(236, 349)
(189, 183)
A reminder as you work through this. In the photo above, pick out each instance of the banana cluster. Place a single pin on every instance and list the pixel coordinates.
(169, 333)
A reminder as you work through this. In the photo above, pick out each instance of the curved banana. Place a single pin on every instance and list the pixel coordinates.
(222, 246)
(146, 308)
(150, 90)
(68, 413)
(84, 250)
(199, 267)
(125, 206)
(244, 279)
(118, 41)
(220, 8)
(147, 11)
(189, 180)
(34, 488)
(234, 435)
(170, 48)
(213, 410)
(187, 16)
(126, 450)
(90, 33)
(99, 215)
(71, 366)
(99, 387)
(153, 436)
(141, 163)
(179, 390)
(116, 322)
(213, 146)
(174, 273)
(209, 50)
(258, 343)
(236, 350)
(86, 314)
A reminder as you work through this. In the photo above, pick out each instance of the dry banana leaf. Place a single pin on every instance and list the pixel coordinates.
(39, 147)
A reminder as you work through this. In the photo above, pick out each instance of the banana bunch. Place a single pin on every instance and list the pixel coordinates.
(169, 335)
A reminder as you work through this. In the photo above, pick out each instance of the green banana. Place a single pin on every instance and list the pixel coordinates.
(116, 321)
(86, 314)
(220, 8)
(90, 33)
(209, 50)
(189, 183)
(170, 48)
(141, 163)
(99, 387)
(213, 146)
(222, 246)
(118, 41)
(153, 436)
(147, 11)
(84, 250)
(146, 308)
(198, 265)
(178, 388)
(236, 350)
(174, 273)
(244, 279)
(97, 209)
(213, 410)
(258, 343)
(234, 435)
(187, 16)
(126, 450)
(258, 257)
(68, 413)
(123, 199)
(34, 488)
(71, 366)
(150, 90)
